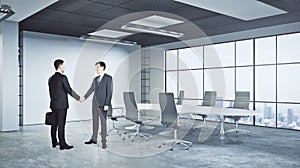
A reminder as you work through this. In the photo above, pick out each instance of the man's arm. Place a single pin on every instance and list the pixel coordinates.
(90, 91)
(68, 88)
(109, 91)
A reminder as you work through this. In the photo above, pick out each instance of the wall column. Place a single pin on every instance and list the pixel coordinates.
(9, 76)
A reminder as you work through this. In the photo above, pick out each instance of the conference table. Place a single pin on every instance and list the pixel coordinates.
(205, 110)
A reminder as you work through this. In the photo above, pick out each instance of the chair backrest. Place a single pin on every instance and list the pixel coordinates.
(209, 98)
(109, 112)
(130, 106)
(168, 109)
(180, 97)
(242, 100)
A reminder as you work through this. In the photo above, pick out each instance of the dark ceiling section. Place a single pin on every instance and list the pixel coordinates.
(80, 17)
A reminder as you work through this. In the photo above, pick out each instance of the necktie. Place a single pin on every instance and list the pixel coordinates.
(99, 79)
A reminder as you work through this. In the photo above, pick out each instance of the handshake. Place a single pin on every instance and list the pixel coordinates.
(82, 99)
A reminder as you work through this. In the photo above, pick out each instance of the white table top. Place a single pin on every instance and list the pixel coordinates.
(195, 109)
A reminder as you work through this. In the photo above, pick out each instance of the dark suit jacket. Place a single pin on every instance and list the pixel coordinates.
(102, 91)
(59, 88)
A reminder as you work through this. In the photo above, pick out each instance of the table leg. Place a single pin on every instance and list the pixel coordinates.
(222, 131)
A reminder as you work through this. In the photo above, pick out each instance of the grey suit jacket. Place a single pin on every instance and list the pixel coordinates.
(102, 91)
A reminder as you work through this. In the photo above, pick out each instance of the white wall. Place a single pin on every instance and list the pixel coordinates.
(40, 51)
(9, 76)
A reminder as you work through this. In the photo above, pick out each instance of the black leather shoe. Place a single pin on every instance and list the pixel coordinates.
(104, 146)
(55, 144)
(65, 147)
(90, 142)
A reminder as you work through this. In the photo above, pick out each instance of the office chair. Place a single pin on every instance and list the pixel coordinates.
(209, 99)
(132, 114)
(241, 101)
(169, 117)
(179, 102)
(114, 119)
(180, 97)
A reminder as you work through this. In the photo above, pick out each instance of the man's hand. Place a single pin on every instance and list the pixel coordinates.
(82, 99)
(105, 108)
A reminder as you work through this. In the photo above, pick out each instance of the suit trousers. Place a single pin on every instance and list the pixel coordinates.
(60, 121)
(98, 112)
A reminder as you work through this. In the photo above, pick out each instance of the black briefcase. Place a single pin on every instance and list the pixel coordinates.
(49, 118)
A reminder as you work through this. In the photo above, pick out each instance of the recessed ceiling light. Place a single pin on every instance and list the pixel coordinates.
(152, 30)
(109, 33)
(106, 40)
(241, 9)
(156, 21)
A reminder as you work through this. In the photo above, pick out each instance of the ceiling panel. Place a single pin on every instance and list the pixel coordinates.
(186, 28)
(91, 22)
(112, 2)
(152, 5)
(78, 17)
(192, 13)
(214, 31)
(281, 19)
(286, 5)
(56, 27)
(81, 7)
(240, 26)
(24, 9)
(150, 39)
(296, 14)
(113, 13)
(215, 21)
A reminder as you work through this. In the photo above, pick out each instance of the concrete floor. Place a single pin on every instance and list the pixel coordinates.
(265, 147)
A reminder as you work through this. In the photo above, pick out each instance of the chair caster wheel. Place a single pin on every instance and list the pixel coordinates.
(123, 138)
(186, 148)
(164, 143)
(159, 146)
(132, 140)
(171, 149)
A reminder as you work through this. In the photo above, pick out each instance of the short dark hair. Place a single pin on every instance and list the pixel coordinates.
(57, 63)
(102, 64)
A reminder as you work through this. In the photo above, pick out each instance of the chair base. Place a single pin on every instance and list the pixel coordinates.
(132, 136)
(134, 127)
(186, 144)
(114, 129)
(204, 125)
(175, 141)
(238, 131)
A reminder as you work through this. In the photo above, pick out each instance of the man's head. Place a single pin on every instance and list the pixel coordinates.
(100, 67)
(59, 65)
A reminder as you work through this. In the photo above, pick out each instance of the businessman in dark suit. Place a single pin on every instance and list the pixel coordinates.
(102, 88)
(59, 88)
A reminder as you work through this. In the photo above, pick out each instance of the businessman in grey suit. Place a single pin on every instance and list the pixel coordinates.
(102, 88)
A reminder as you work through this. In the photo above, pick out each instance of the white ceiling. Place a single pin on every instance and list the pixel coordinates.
(110, 33)
(156, 21)
(26, 8)
(241, 9)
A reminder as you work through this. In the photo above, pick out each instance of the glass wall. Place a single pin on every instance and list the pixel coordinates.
(267, 67)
